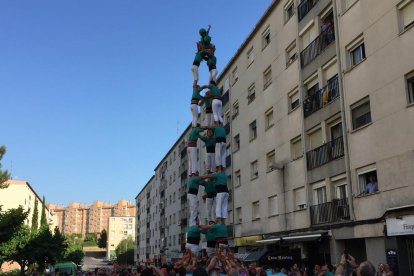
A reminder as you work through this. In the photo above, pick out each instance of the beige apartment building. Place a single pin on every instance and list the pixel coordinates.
(76, 219)
(119, 228)
(58, 212)
(21, 193)
(318, 104)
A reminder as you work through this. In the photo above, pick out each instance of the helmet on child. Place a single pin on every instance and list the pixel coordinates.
(202, 32)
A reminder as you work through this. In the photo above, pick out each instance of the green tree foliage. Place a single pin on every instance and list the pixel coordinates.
(125, 251)
(28, 247)
(90, 237)
(4, 174)
(74, 253)
(43, 220)
(35, 217)
(103, 239)
(10, 221)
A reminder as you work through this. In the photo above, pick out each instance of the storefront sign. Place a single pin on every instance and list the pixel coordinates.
(249, 240)
(403, 225)
(284, 258)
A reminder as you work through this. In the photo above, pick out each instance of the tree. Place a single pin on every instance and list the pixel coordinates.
(18, 249)
(74, 253)
(4, 175)
(125, 251)
(35, 218)
(10, 221)
(43, 220)
(103, 239)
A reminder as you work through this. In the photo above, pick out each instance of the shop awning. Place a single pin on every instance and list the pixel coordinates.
(312, 236)
(251, 256)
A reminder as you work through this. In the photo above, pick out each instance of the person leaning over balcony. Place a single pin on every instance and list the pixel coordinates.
(192, 185)
(192, 150)
(210, 142)
(372, 185)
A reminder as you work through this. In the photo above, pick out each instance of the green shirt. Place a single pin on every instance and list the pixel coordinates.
(219, 178)
(215, 91)
(196, 94)
(207, 102)
(219, 131)
(193, 182)
(210, 141)
(193, 136)
(210, 236)
(209, 187)
(219, 230)
(193, 232)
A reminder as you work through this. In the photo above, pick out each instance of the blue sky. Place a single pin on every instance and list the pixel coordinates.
(93, 92)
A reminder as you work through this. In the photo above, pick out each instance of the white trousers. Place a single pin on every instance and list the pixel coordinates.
(217, 106)
(220, 154)
(192, 160)
(193, 205)
(194, 112)
(213, 75)
(210, 162)
(209, 119)
(193, 247)
(211, 207)
(221, 205)
(194, 70)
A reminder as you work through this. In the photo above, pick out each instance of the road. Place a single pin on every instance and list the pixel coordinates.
(93, 260)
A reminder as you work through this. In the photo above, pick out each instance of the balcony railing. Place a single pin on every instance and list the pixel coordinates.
(321, 98)
(334, 211)
(304, 7)
(316, 47)
(325, 153)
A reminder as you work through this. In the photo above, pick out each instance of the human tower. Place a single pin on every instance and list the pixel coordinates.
(213, 134)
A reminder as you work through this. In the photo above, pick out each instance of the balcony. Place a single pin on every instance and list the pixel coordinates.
(304, 7)
(225, 98)
(328, 212)
(163, 185)
(183, 153)
(321, 98)
(316, 47)
(183, 175)
(325, 153)
(227, 128)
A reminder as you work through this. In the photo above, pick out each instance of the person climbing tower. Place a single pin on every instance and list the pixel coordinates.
(205, 51)
(192, 150)
(195, 99)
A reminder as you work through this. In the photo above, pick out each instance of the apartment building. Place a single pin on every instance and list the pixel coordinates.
(119, 228)
(318, 105)
(79, 218)
(21, 193)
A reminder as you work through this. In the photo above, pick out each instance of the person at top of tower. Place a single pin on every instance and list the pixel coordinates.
(205, 51)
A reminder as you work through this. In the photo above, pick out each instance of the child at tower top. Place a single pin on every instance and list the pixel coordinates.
(205, 51)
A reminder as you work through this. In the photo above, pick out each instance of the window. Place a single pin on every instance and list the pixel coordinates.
(234, 76)
(237, 179)
(252, 130)
(269, 120)
(319, 195)
(410, 88)
(251, 93)
(289, 10)
(236, 143)
(273, 210)
(361, 114)
(293, 100)
(356, 52)
(267, 77)
(296, 148)
(255, 210)
(239, 215)
(226, 86)
(254, 173)
(367, 180)
(235, 110)
(315, 138)
(250, 56)
(270, 161)
(174, 197)
(291, 54)
(266, 37)
(300, 198)
(407, 14)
